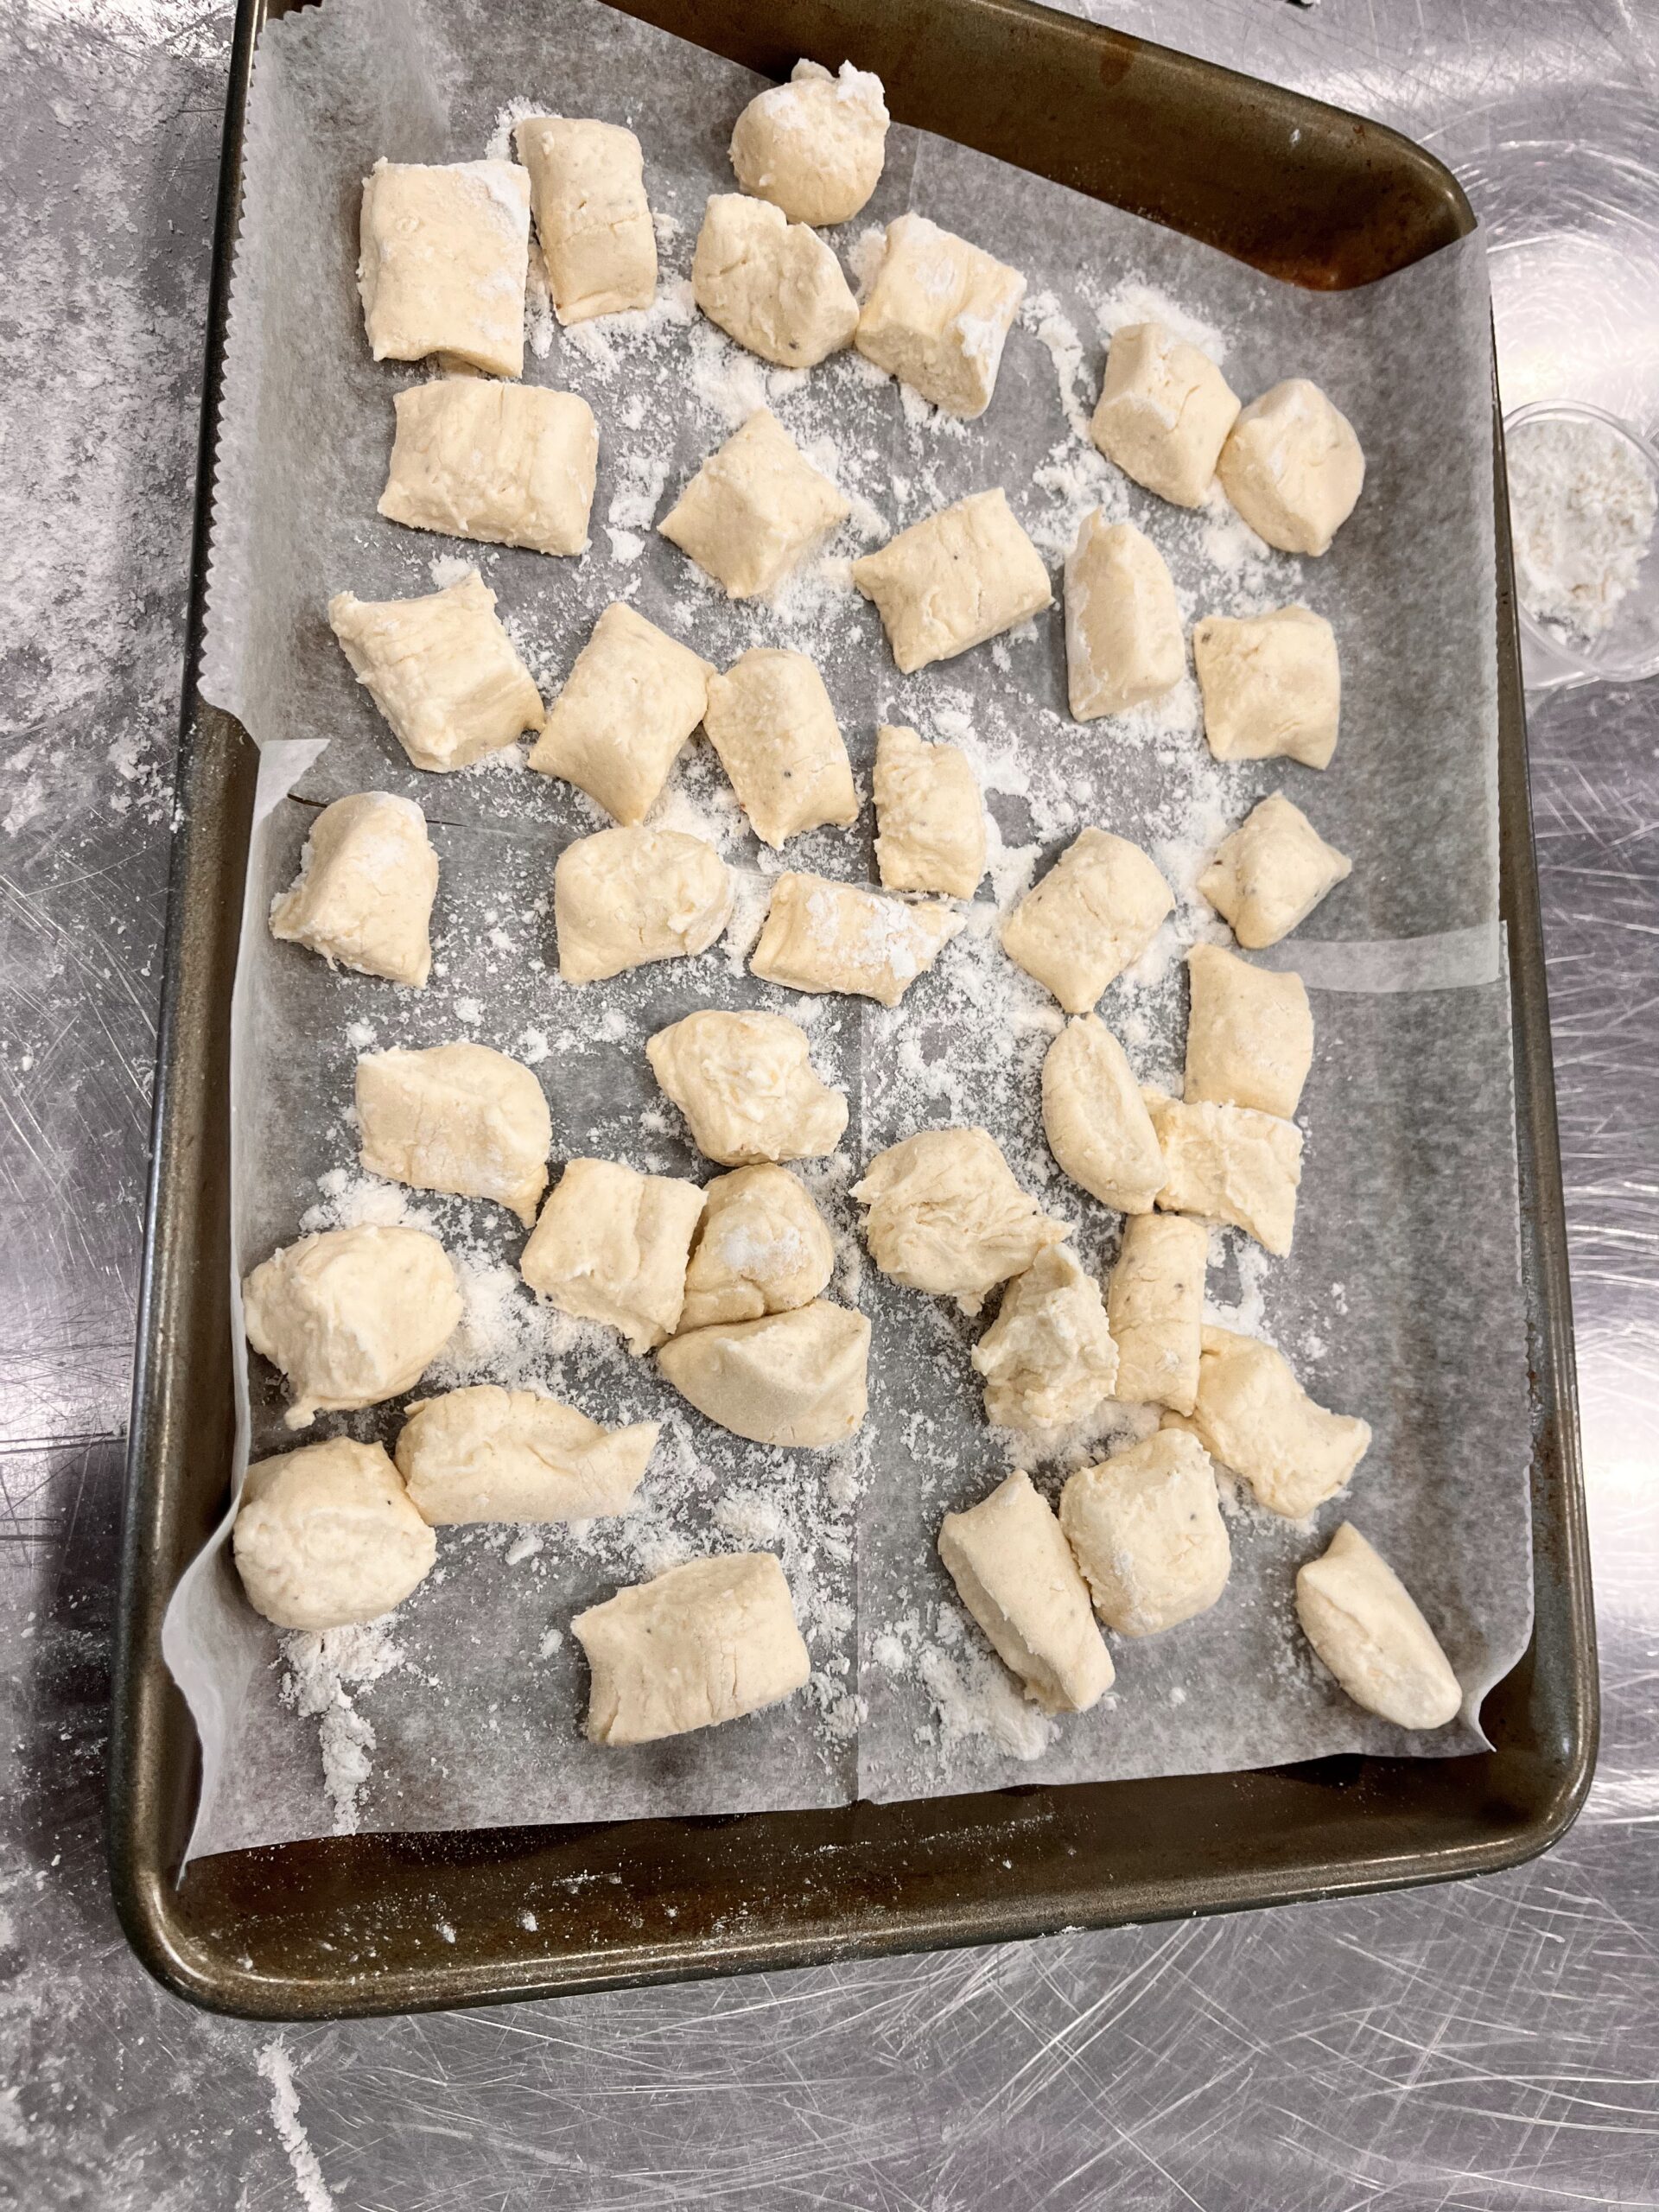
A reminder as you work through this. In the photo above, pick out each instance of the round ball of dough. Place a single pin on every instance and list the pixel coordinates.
(815, 146)
(327, 1536)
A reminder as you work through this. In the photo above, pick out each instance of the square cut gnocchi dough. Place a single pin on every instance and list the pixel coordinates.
(823, 936)
(1292, 468)
(587, 186)
(629, 704)
(762, 1247)
(1251, 1415)
(1164, 412)
(1123, 639)
(1272, 684)
(441, 669)
(363, 897)
(797, 1378)
(1249, 1033)
(1048, 1358)
(443, 262)
(611, 1246)
(773, 285)
(489, 1454)
(1095, 1120)
(1269, 876)
(1230, 1164)
(623, 898)
(509, 464)
(770, 719)
(455, 1117)
(953, 580)
(939, 315)
(747, 1087)
(1092, 916)
(1144, 1527)
(754, 510)
(930, 817)
(1014, 1572)
(1154, 1307)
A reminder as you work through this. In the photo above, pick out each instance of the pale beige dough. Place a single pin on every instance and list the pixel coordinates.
(1249, 1033)
(1230, 1164)
(747, 1087)
(490, 1454)
(1092, 916)
(1095, 1120)
(1154, 1307)
(1270, 875)
(1292, 468)
(1048, 1358)
(327, 1536)
(511, 464)
(1014, 1573)
(946, 1215)
(754, 510)
(363, 897)
(1124, 639)
(762, 1247)
(623, 898)
(1144, 1527)
(797, 1378)
(703, 1644)
(444, 255)
(633, 697)
(459, 1118)
(588, 182)
(938, 315)
(1254, 1416)
(1272, 685)
(823, 936)
(1362, 1620)
(611, 1246)
(773, 285)
(352, 1316)
(1164, 412)
(814, 147)
(441, 669)
(930, 817)
(770, 719)
(953, 580)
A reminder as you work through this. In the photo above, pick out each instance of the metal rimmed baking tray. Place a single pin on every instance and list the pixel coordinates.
(351, 1925)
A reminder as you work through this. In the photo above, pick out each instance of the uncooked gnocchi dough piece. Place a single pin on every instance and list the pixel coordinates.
(754, 510)
(588, 182)
(946, 1215)
(1095, 1120)
(1015, 1574)
(1154, 1307)
(796, 1378)
(1249, 1033)
(1292, 468)
(773, 285)
(511, 464)
(1123, 641)
(441, 669)
(953, 580)
(352, 1316)
(1093, 914)
(770, 719)
(1164, 412)
(363, 894)
(459, 1118)
(611, 1246)
(939, 315)
(327, 1536)
(823, 936)
(444, 255)
(1362, 1620)
(1232, 1164)
(1270, 874)
(815, 146)
(930, 832)
(762, 1247)
(1048, 1358)
(632, 699)
(1272, 684)
(489, 1454)
(624, 897)
(746, 1085)
(1253, 1415)
(1144, 1527)
(703, 1644)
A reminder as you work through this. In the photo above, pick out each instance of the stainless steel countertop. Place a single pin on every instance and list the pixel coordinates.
(1494, 2044)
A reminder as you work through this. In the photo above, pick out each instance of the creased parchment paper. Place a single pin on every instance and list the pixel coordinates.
(1403, 1299)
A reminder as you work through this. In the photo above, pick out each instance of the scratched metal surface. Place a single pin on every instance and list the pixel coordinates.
(1491, 2045)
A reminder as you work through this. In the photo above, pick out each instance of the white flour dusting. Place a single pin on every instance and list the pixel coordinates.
(322, 1671)
(278, 2069)
(1582, 502)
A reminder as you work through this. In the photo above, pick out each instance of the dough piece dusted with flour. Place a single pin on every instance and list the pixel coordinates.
(797, 1378)
(773, 285)
(441, 669)
(1093, 914)
(762, 1247)
(930, 819)
(489, 1454)
(946, 1215)
(1095, 1120)
(444, 255)
(1164, 412)
(611, 1246)
(1232, 1164)
(814, 147)
(630, 702)
(1154, 1305)
(747, 1087)
(622, 897)
(953, 580)
(352, 1316)
(327, 1536)
(1249, 1033)
(939, 315)
(510, 464)
(1272, 685)
(704, 1643)
(1270, 875)
(1362, 1620)
(1254, 1416)
(1144, 1527)
(363, 897)
(459, 1118)
(1123, 641)
(770, 719)
(1015, 1574)
(1292, 468)
(822, 935)
(1048, 1358)
(754, 510)
(588, 182)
